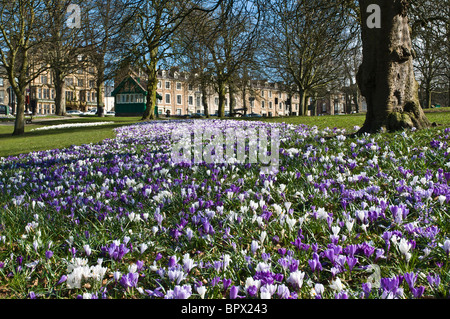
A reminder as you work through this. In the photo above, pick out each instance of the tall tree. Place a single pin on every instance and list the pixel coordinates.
(156, 22)
(430, 37)
(305, 43)
(386, 76)
(189, 46)
(232, 42)
(21, 23)
(105, 31)
(65, 45)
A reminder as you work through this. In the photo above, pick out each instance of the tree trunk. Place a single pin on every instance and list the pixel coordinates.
(386, 76)
(428, 96)
(357, 100)
(100, 104)
(302, 107)
(222, 95)
(98, 87)
(60, 99)
(231, 98)
(19, 125)
(152, 84)
(244, 99)
(205, 100)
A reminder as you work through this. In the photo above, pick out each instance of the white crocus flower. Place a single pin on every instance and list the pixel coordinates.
(296, 278)
(404, 248)
(201, 290)
(337, 285)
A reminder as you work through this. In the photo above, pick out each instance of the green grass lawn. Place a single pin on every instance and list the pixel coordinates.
(60, 138)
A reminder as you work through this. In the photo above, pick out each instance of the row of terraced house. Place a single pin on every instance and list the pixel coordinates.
(179, 95)
(80, 92)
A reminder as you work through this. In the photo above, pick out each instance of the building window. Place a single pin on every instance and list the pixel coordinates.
(1, 82)
(216, 101)
(190, 87)
(69, 96)
(40, 93)
(167, 96)
(69, 81)
(270, 93)
(270, 105)
(46, 94)
(198, 101)
(324, 107)
(263, 104)
(178, 111)
(191, 100)
(178, 99)
(262, 93)
(2, 96)
(178, 86)
(44, 79)
(159, 84)
(167, 85)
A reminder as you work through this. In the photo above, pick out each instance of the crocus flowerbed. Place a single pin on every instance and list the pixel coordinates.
(362, 217)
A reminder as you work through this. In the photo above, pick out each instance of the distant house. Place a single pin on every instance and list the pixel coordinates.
(130, 97)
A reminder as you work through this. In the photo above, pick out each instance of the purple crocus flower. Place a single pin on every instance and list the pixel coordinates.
(418, 292)
(172, 261)
(329, 253)
(48, 254)
(226, 283)
(341, 295)
(129, 280)
(351, 262)
(252, 291)
(61, 280)
(434, 280)
(234, 290)
(139, 265)
(410, 278)
(182, 292)
(293, 266)
(366, 287)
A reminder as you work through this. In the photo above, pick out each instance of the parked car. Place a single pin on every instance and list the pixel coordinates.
(110, 113)
(5, 109)
(253, 115)
(90, 112)
(197, 115)
(74, 112)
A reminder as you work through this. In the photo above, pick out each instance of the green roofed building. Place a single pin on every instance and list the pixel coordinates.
(130, 98)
